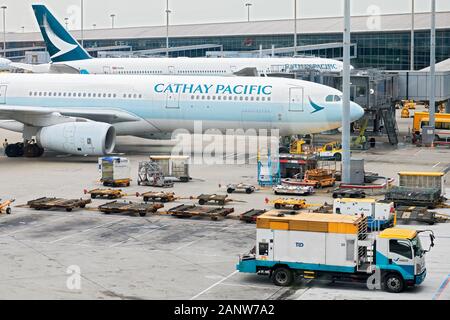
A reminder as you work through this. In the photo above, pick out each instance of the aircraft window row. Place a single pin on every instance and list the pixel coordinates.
(333, 98)
(83, 95)
(230, 98)
(141, 72)
(201, 71)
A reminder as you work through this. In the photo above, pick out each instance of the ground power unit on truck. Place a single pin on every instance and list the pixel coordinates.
(380, 215)
(336, 248)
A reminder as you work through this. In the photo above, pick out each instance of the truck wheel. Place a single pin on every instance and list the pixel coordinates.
(338, 157)
(394, 283)
(282, 277)
(230, 190)
(335, 196)
(201, 202)
(248, 191)
(8, 210)
(277, 206)
(296, 207)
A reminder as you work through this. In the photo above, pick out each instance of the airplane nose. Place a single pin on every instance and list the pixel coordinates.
(356, 111)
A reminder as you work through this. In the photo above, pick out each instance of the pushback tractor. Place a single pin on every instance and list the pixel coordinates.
(337, 248)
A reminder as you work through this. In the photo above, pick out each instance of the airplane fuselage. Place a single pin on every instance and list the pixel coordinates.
(167, 103)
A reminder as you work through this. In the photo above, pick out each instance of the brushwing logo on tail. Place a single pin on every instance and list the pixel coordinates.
(61, 45)
(315, 106)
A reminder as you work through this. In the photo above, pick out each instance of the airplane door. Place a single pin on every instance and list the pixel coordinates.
(107, 70)
(171, 70)
(296, 99)
(173, 100)
(3, 89)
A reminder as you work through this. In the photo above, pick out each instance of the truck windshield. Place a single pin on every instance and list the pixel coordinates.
(417, 246)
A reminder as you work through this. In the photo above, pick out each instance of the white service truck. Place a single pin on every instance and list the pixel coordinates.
(381, 215)
(335, 247)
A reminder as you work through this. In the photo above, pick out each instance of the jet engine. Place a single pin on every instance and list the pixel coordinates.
(80, 138)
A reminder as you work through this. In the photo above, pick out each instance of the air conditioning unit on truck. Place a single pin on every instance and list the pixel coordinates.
(380, 215)
(334, 247)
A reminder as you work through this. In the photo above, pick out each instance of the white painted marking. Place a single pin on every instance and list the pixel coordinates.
(436, 165)
(87, 230)
(141, 235)
(214, 285)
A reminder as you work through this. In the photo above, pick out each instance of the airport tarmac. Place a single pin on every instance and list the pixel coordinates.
(160, 257)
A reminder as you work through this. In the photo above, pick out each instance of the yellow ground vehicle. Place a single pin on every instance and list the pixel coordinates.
(5, 207)
(331, 150)
(296, 204)
(422, 119)
(405, 113)
(300, 147)
(409, 104)
(319, 178)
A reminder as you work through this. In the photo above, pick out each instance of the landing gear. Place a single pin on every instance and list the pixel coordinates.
(14, 150)
(32, 150)
(29, 150)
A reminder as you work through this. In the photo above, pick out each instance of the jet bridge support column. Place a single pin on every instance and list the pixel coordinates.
(346, 155)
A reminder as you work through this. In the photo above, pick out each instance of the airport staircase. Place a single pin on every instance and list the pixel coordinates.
(390, 125)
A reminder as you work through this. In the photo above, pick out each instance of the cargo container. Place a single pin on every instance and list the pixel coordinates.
(334, 247)
(380, 214)
(114, 171)
(175, 168)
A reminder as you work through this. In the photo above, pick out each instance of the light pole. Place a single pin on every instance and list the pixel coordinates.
(168, 12)
(66, 20)
(82, 23)
(412, 33)
(432, 107)
(295, 27)
(113, 16)
(4, 30)
(248, 5)
(346, 156)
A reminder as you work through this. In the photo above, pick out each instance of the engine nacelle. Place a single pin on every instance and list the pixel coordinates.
(81, 138)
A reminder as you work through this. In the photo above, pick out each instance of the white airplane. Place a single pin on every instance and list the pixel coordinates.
(82, 114)
(68, 56)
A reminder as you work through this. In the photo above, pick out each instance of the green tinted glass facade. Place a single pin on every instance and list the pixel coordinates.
(384, 50)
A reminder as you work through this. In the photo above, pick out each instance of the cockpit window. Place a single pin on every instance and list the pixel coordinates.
(333, 98)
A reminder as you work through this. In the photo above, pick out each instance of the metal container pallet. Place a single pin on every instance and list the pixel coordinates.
(158, 196)
(106, 193)
(142, 209)
(58, 203)
(404, 196)
(251, 215)
(220, 200)
(416, 214)
(189, 211)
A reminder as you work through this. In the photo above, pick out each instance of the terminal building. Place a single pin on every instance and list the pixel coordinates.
(378, 42)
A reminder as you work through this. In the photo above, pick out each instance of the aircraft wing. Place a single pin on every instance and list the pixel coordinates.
(44, 116)
(46, 68)
(247, 72)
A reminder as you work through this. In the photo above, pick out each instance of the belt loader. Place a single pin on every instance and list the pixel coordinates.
(335, 247)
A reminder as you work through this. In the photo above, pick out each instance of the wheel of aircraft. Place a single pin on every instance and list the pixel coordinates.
(33, 151)
(18, 150)
(14, 150)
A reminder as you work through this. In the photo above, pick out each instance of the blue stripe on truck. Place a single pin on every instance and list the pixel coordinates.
(250, 266)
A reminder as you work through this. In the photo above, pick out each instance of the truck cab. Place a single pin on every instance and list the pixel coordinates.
(401, 258)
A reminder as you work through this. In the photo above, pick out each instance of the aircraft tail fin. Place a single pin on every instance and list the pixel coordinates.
(61, 46)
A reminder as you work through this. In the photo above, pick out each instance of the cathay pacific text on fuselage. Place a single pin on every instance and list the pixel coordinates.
(213, 89)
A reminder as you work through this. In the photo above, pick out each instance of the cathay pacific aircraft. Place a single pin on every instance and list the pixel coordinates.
(83, 114)
(68, 56)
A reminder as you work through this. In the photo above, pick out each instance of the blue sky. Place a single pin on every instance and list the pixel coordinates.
(151, 12)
